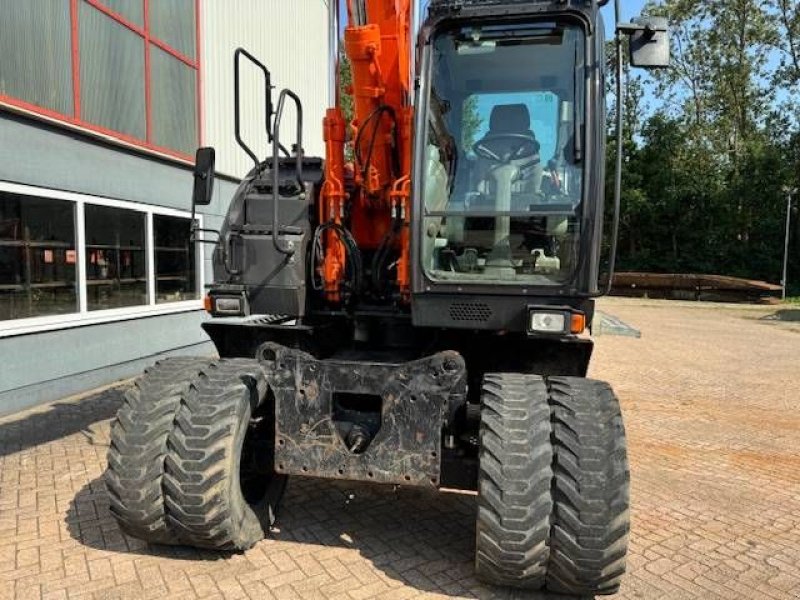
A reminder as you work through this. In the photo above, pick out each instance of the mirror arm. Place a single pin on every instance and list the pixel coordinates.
(649, 29)
(195, 230)
(612, 264)
(194, 223)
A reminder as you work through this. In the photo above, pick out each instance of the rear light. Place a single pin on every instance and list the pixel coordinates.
(228, 306)
(208, 305)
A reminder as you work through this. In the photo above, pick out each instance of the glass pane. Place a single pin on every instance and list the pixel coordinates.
(37, 257)
(503, 179)
(174, 102)
(35, 53)
(112, 74)
(12, 265)
(29, 218)
(116, 258)
(175, 260)
(130, 10)
(173, 22)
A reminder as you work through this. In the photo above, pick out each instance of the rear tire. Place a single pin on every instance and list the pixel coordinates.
(591, 517)
(515, 476)
(220, 488)
(139, 444)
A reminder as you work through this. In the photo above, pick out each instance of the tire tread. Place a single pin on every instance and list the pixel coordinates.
(591, 517)
(138, 446)
(199, 479)
(514, 503)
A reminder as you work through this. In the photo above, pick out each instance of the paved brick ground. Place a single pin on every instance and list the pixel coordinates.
(713, 415)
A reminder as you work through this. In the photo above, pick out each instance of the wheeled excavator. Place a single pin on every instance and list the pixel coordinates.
(413, 308)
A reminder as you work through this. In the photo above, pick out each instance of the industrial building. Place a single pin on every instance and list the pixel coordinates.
(102, 105)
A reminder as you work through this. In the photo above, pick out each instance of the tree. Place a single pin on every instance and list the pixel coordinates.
(345, 87)
(471, 122)
(704, 172)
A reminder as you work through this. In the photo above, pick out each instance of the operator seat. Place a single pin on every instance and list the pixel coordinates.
(509, 175)
(514, 119)
(508, 118)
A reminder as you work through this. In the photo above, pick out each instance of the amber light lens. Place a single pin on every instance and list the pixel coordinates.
(207, 305)
(578, 323)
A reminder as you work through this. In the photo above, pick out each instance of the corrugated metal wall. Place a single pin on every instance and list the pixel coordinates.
(290, 37)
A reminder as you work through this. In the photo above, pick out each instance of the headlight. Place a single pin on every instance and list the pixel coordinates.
(544, 320)
(548, 322)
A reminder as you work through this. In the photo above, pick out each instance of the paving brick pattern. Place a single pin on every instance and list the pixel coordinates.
(713, 415)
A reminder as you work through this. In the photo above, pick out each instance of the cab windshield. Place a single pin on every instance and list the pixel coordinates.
(503, 176)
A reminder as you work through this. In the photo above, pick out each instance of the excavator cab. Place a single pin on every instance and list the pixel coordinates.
(510, 122)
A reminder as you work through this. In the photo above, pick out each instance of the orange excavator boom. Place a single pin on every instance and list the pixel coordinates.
(372, 193)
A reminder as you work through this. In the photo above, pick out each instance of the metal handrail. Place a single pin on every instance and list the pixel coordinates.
(236, 99)
(289, 248)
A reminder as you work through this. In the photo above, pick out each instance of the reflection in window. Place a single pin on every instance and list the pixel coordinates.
(176, 278)
(35, 53)
(174, 85)
(37, 257)
(131, 10)
(112, 74)
(116, 263)
(173, 22)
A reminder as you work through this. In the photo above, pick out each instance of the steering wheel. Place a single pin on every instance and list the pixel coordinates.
(505, 147)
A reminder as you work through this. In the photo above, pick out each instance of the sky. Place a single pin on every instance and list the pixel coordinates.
(630, 9)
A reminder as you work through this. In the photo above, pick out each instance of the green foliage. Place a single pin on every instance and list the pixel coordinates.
(705, 171)
(345, 85)
(346, 97)
(472, 122)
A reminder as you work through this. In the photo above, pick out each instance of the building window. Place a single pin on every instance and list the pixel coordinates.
(112, 78)
(173, 120)
(35, 46)
(67, 259)
(37, 257)
(175, 260)
(124, 68)
(116, 263)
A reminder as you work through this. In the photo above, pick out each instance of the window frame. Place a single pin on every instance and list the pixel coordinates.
(75, 121)
(25, 261)
(83, 316)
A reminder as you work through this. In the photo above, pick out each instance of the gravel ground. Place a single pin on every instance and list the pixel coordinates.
(710, 394)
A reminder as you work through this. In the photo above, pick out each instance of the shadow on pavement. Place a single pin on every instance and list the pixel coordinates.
(789, 315)
(423, 539)
(59, 420)
(89, 521)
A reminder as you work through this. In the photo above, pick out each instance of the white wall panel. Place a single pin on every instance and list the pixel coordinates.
(290, 38)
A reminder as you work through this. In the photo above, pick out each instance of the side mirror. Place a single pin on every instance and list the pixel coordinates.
(649, 42)
(203, 177)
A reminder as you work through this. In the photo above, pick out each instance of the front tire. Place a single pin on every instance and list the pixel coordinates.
(591, 517)
(220, 488)
(138, 446)
(514, 501)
